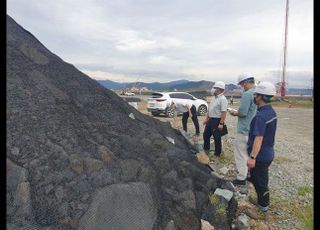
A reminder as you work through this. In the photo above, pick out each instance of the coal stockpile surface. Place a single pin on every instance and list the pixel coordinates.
(80, 157)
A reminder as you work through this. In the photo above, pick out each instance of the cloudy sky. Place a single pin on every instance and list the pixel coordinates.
(164, 40)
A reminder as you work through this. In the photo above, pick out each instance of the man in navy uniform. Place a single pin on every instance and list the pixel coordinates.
(261, 148)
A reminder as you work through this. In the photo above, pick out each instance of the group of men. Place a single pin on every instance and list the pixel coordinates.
(254, 141)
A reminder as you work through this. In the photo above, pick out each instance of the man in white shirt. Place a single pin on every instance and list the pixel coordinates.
(188, 109)
(215, 118)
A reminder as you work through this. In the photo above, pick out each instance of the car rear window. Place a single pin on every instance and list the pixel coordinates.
(156, 95)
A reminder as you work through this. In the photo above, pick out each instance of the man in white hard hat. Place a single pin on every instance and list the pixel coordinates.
(215, 118)
(245, 114)
(261, 148)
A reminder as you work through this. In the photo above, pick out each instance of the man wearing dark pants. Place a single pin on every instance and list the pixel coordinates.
(188, 109)
(261, 148)
(215, 119)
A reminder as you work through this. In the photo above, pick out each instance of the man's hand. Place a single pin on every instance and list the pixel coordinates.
(251, 163)
(234, 113)
(205, 122)
(220, 127)
(190, 115)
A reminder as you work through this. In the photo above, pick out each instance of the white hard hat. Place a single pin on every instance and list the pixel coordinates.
(266, 88)
(244, 76)
(219, 84)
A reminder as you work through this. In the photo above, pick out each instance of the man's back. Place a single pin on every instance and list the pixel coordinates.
(182, 107)
(247, 111)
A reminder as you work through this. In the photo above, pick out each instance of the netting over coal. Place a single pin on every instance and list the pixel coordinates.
(76, 160)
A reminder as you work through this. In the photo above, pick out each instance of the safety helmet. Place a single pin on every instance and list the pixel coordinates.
(219, 84)
(245, 76)
(266, 88)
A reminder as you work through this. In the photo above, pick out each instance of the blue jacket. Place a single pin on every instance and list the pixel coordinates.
(263, 124)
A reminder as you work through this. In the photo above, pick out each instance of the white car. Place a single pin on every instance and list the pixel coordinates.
(160, 103)
(129, 94)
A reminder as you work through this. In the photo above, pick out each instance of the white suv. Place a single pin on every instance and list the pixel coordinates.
(160, 103)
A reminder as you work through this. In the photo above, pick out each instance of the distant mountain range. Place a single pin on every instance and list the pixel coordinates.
(178, 85)
(183, 85)
(152, 86)
(295, 91)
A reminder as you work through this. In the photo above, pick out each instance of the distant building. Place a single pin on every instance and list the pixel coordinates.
(134, 89)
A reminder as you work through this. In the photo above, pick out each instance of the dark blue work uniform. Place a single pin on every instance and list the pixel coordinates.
(263, 124)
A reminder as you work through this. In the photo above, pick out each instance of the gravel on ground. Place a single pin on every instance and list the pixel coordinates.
(290, 174)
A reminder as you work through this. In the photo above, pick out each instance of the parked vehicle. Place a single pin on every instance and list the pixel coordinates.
(129, 94)
(160, 102)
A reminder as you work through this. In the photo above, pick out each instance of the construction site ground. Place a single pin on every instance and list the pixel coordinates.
(291, 173)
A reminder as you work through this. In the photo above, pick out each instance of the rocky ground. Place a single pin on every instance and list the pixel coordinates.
(291, 173)
(79, 157)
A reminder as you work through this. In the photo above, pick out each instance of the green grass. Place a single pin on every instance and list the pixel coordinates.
(304, 103)
(305, 215)
(304, 190)
(296, 210)
(277, 202)
(213, 199)
(226, 158)
(296, 103)
(227, 155)
(221, 211)
(281, 160)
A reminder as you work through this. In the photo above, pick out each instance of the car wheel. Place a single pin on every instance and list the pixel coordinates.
(169, 112)
(155, 113)
(202, 110)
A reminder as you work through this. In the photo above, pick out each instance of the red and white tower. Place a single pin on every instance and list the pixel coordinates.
(283, 78)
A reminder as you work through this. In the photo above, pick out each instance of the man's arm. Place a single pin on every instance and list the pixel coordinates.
(189, 109)
(245, 103)
(224, 106)
(175, 121)
(223, 117)
(255, 151)
(207, 115)
(221, 123)
(256, 146)
(175, 116)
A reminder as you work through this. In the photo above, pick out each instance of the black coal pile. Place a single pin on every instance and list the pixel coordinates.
(80, 157)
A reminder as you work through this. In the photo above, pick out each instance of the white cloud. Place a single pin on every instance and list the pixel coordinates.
(101, 75)
(130, 40)
(160, 60)
(118, 77)
(172, 39)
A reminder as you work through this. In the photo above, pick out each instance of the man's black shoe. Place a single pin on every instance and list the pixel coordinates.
(239, 182)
